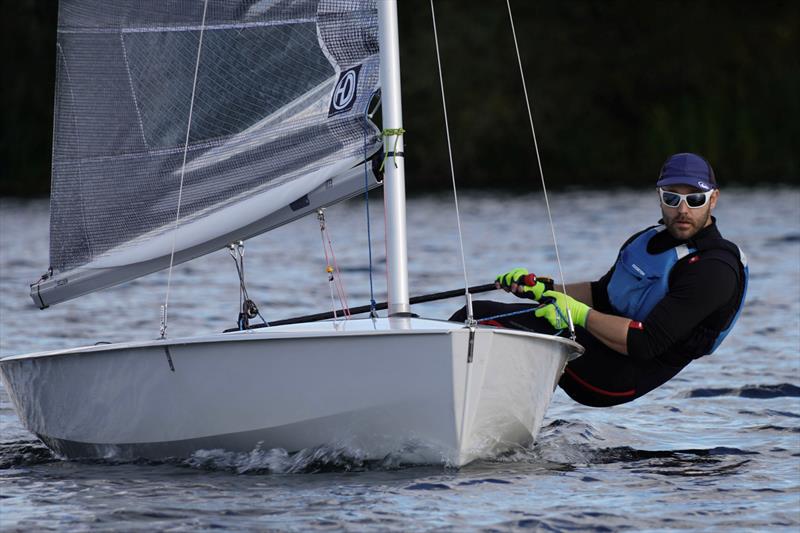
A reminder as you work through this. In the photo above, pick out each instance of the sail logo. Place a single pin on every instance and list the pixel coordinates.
(344, 94)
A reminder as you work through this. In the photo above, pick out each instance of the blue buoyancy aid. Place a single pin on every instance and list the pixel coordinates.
(641, 279)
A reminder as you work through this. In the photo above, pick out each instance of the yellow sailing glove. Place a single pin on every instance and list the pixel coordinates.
(556, 311)
(523, 284)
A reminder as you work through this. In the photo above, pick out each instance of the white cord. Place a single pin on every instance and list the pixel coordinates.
(470, 317)
(165, 308)
(539, 161)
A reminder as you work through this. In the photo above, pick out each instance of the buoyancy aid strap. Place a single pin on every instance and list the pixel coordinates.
(721, 244)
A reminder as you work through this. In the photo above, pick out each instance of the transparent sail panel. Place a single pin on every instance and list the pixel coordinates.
(279, 110)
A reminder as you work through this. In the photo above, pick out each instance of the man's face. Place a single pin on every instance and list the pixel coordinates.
(683, 222)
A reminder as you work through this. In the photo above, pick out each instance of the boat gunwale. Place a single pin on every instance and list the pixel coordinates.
(287, 332)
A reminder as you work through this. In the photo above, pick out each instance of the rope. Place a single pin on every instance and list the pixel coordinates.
(340, 290)
(470, 318)
(373, 312)
(523, 311)
(388, 132)
(165, 307)
(333, 300)
(240, 272)
(504, 315)
(328, 268)
(539, 161)
(334, 275)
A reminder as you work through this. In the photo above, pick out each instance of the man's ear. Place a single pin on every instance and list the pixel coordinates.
(713, 199)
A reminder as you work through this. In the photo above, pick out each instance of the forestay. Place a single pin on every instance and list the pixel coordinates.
(278, 127)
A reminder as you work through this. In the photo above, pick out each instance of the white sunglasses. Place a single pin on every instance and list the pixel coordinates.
(693, 199)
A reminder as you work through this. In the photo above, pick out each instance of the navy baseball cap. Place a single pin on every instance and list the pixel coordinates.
(687, 169)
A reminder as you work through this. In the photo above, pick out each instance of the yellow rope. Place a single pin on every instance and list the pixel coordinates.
(388, 132)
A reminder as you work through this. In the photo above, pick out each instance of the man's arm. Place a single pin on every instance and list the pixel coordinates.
(701, 289)
(609, 329)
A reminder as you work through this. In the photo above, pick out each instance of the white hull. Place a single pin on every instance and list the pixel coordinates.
(376, 386)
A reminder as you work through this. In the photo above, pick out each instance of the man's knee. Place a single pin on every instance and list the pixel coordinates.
(584, 395)
(460, 315)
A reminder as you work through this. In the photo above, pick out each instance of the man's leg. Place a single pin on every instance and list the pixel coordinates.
(602, 377)
(513, 316)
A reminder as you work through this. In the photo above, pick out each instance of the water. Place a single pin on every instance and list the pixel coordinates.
(716, 448)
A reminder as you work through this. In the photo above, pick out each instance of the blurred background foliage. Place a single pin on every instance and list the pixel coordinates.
(616, 85)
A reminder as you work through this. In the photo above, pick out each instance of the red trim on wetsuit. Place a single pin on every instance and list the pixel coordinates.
(598, 390)
(491, 323)
(635, 324)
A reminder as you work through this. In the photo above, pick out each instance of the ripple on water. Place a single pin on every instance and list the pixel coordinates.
(785, 239)
(24, 453)
(428, 486)
(722, 457)
(749, 391)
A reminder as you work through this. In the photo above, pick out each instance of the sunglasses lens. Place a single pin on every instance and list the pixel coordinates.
(696, 200)
(670, 199)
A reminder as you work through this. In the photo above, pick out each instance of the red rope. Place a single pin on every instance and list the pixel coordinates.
(335, 276)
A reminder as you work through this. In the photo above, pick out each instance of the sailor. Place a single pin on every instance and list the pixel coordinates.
(673, 294)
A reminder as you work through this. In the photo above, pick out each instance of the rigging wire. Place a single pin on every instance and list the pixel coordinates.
(467, 295)
(539, 161)
(165, 307)
(247, 307)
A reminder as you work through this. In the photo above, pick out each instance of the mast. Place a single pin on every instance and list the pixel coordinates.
(394, 188)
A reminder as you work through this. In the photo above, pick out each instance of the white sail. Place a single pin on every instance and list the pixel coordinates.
(279, 112)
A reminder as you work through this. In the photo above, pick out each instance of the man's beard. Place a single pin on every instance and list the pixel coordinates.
(685, 233)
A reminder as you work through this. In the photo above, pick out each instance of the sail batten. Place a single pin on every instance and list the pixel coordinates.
(207, 27)
(280, 108)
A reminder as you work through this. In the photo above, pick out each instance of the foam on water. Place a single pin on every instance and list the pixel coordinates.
(562, 445)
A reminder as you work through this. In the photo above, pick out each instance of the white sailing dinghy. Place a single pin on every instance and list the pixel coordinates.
(183, 126)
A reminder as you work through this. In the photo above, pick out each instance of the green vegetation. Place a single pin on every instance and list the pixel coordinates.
(616, 87)
(28, 36)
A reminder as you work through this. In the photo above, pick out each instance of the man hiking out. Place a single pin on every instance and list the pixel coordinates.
(673, 294)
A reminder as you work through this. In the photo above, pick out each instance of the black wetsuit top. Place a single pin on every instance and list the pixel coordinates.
(704, 294)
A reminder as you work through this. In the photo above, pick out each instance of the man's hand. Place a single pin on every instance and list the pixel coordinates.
(558, 316)
(517, 280)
